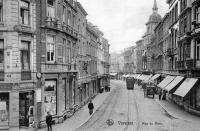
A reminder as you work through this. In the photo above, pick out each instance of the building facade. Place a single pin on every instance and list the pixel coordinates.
(130, 60)
(154, 19)
(17, 62)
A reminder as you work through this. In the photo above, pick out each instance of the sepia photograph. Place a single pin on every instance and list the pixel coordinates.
(99, 65)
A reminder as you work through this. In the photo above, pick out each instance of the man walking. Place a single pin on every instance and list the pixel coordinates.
(90, 107)
(49, 121)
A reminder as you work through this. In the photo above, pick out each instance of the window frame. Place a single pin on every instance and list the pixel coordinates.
(22, 51)
(51, 45)
(25, 9)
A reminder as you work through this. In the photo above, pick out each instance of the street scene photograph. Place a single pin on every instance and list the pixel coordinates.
(99, 65)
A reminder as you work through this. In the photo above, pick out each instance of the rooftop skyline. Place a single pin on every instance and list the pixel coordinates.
(123, 23)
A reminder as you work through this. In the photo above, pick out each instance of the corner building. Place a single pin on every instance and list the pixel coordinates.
(17, 63)
(56, 59)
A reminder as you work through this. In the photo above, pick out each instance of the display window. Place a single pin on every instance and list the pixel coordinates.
(50, 97)
(4, 108)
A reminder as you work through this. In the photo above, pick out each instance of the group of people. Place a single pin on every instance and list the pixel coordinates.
(107, 89)
(161, 94)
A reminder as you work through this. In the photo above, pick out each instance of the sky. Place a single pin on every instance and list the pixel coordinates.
(121, 21)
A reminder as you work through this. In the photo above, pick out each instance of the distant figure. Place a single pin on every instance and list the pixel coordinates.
(90, 107)
(49, 121)
(159, 94)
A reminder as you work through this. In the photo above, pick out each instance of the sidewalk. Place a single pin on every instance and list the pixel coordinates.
(177, 112)
(78, 118)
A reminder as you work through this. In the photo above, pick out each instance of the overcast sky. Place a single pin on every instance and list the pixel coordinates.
(122, 21)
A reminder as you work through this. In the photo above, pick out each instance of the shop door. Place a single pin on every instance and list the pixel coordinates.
(25, 102)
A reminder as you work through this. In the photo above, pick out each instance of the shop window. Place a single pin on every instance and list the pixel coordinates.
(24, 12)
(4, 108)
(50, 97)
(25, 55)
(50, 9)
(50, 49)
(64, 94)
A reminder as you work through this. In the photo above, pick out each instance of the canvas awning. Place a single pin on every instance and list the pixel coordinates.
(166, 81)
(173, 84)
(154, 77)
(113, 74)
(185, 87)
(147, 78)
(139, 77)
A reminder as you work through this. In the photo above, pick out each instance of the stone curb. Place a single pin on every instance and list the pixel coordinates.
(168, 112)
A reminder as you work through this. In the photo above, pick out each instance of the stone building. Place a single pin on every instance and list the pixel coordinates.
(57, 50)
(130, 60)
(139, 52)
(154, 19)
(174, 8)
(17, 62)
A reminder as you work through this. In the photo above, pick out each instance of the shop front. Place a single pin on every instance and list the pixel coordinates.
(26, 108)
(50, 97)
(4, 109)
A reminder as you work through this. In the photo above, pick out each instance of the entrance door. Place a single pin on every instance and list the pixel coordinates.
(25, 102)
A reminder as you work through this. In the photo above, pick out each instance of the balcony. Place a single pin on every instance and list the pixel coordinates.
(54, 24)
(191, 63)
(180, 65)
(170, 52)
(23, 28)
(25, 75)
(57, 67)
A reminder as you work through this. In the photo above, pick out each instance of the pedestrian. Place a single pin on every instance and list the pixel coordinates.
(90, 107)
(159, 93)
(49, 121)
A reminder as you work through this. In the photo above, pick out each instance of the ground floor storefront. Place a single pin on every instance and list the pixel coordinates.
(17, 104)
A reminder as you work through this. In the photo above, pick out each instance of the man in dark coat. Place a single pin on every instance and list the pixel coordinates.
(49, 121)
(90, 107)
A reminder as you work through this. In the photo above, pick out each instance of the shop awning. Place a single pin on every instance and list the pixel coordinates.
(140, 76)
(148, 78)
(154, 77)
(166, 81)
(185, 87)
(113, 74)
(175, 82)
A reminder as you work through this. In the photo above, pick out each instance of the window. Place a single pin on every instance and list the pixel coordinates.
(64, 14)
(1, 11)
(198, 49)
(50, 9)
(63, 50)
(69, 52)
(25, 55)
(50, 49)
(24, 12)
(197, 14)
(69, 18)
(73, 21)
(1, 54)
